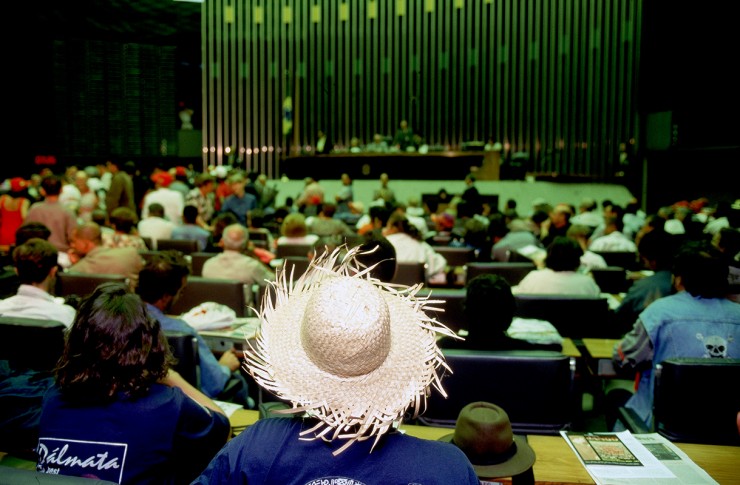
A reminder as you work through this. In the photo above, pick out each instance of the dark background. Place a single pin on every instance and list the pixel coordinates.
(687, 73)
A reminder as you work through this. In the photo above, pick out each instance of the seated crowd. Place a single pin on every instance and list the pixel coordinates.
(683, 274)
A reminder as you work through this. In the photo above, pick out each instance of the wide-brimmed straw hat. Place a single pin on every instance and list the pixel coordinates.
(349, 350)
(483, 432)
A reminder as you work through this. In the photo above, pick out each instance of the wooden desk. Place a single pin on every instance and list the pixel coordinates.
(556, 462)
(600, 350)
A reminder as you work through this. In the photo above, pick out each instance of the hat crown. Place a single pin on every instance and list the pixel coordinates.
(482, 430)
(346, 328)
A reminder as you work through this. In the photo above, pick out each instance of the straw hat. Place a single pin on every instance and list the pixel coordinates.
(483, 432)
(351, 351)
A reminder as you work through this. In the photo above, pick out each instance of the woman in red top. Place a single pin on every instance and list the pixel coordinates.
(13, 209)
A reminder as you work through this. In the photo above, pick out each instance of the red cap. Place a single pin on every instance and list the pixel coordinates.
(181, 171)
(163, 178)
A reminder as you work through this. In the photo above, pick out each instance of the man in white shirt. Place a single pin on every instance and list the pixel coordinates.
(36, 264)
(172, 200)
(155, 226)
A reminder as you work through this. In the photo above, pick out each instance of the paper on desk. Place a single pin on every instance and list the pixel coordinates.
(626, 459)
(228, 407)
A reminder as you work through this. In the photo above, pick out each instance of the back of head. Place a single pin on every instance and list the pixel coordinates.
(235, 237)
(379, 252)
(52, 185)
(30, 230)
(163, 274)
(659, 247)
(123, 219)
(489, 304)
(400, 223)
(34, 260)
(563, 254)
(156, 210)
(203, 179)
(294, 225)
(89, 231)
(190, 214)
(100, 217)
(701, 269)
(114, 346)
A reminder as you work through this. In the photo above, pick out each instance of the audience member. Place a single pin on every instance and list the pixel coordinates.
(120, 192)
(557, 225)
(155, 226)
(118, 407)
(656, 251)
(560, 275)
(35, 263)
(266, 194)
(220, 222)
(190, 230)
(411, 249)
(181, 183)
(124, 233)
(13, 210)
(697, 321)
(89, 256)
(160, 283)
(345, 196)
(325, 354)
(295, 231)
(89, 200)
(232, 264)
(378, 145)
(384, 192)
(590, 260)
(489, 308)
(172, 200)
(60, 221)
(517, 235)
(587, 214)
(310, 198)
(613, 239)
(331, 231)
(239, 202)
(202, 197)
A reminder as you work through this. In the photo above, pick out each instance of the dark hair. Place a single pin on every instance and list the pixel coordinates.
(100, 216)
(123, 219)
(378, 251)
(702, 269)
(658, 246)
(31, 230)
(402, 224)
(34, 259)
(156, 209)
(114, 346)
(52, 185)
(190, 214)
(162, 275)
(489, 305)
(563, 254)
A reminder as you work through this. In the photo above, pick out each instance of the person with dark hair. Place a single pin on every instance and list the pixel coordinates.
(697, 321)
(124, 233)
(560, 275)
(121, 190)
(557, 224)
(190, 230)
(118, 412)
(410, 248)
(378, 217)
(656, 251)
(35, 263)
(489, 308)
(160, 284)
(51, 213)
(378, 253)
(203, 198)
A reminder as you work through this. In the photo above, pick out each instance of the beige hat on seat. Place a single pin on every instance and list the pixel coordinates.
(347, 349)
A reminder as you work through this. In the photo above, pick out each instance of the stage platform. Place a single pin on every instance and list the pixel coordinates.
(523, 192)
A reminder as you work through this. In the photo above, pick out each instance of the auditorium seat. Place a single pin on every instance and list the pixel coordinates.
(185, 349)
(624, 259)
(30, 343)
(408, 273)
(453, 315)
(512, 272)
(197, 260)
(519, 381)
(574, 316)
(184, 246)
(83, 284)
(232, 293)
(294, 249)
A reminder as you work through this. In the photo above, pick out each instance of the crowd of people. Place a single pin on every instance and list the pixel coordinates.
(99, 219)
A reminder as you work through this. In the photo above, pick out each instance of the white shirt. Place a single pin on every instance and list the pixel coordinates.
(156, 228)
(548, 282)
(172, 201)
(590, 260)
(410, 250)
(614, 241)
(32, 302)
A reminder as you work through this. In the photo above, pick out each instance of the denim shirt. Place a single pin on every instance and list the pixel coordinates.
(679, 325)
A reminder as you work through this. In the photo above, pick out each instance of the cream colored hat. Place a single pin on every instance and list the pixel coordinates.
(347, 349)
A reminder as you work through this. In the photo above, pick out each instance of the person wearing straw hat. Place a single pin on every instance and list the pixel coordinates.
(351, 355)
(483, 432)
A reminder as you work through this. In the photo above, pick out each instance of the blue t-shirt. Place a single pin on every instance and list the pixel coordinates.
(164, 437)
(270, 451)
